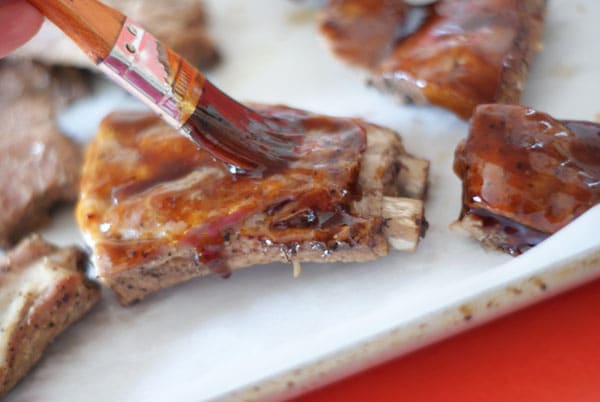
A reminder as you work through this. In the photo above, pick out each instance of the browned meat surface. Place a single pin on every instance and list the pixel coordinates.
(60, 85)
(525, 175)
(157, 211)
(467, 52)
(182, 24)
(39, 167)
(363, 31)
(42, 292)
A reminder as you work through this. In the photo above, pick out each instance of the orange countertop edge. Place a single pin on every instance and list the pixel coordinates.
(547, 352)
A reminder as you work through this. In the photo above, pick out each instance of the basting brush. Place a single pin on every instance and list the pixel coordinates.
(151, 71)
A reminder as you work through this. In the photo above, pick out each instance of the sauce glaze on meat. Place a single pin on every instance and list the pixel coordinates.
(467, 52)
(146, 188)
(364, 31)
(525, 174)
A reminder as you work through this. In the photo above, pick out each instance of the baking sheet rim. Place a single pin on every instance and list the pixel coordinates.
(477, 309)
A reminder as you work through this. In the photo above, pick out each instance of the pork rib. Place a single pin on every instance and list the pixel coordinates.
(42, 292)
(39, 167)
(157, 211)
(525, 175)
(466, 52)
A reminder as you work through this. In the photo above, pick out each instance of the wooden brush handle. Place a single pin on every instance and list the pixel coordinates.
(169, 85)
(130, 55)
(89, 23)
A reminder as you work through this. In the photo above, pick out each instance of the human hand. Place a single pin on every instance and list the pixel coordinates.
(19, 21)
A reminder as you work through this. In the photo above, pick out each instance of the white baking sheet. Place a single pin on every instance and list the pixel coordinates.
(264, 334)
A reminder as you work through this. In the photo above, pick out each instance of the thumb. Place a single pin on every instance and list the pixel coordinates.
(19, 21)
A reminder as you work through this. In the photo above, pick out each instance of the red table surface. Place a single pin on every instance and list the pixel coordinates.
(548, 352)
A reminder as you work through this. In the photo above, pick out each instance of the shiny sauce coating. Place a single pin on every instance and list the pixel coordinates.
(527, 174)
(363, 32)
(146, 189)
(458, 56)
(463, 53)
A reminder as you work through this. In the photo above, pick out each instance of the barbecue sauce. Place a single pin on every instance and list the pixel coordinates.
(525, 174)
(465, 52)
(147, 189)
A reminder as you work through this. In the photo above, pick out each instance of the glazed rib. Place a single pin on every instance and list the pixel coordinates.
(156, 211)
(466, 52)
(525, 175)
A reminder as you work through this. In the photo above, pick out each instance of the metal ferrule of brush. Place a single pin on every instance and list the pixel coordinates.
(159, 77)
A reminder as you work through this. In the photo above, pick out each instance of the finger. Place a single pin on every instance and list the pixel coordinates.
(19, 21)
